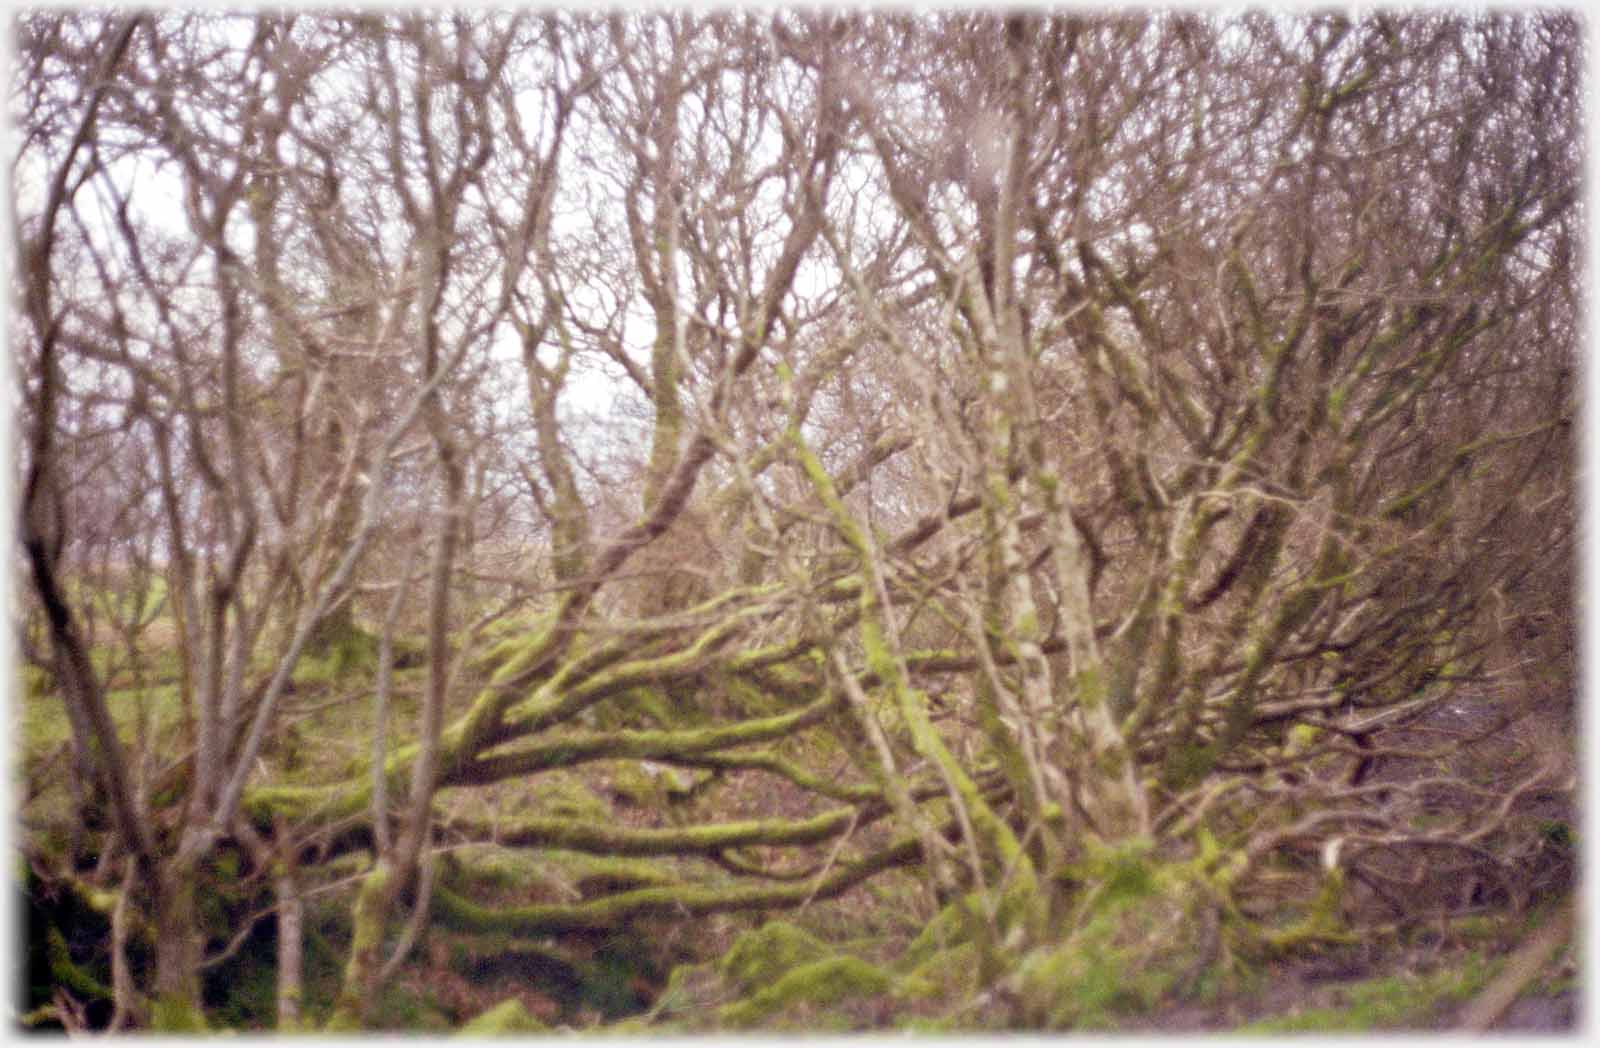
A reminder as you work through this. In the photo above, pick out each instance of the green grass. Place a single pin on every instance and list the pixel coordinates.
(119, 600)
(45, 724)
(43, 720)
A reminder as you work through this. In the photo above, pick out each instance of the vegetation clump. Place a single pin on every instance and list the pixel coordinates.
(508, 1018)
(824, 984)
(760, 956)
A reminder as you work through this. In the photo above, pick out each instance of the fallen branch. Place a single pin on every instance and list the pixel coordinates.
(1523, 967)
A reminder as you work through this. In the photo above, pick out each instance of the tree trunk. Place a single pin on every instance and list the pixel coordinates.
(178, 947)
(353, 1009)
(291, 920)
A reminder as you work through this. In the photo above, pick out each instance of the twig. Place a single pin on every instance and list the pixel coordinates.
(419, 916)
(70, 1013)
(122, 990)
(833, 856)
(251, 921)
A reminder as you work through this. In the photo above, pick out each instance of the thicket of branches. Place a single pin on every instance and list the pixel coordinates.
(1003, 448)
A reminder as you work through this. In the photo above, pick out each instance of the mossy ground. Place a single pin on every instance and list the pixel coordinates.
(1404, 1001)
(812, 996)
(508, 1018)
(882, 957)
(761, 956)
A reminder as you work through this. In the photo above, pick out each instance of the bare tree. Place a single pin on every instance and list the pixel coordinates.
(1017, 449)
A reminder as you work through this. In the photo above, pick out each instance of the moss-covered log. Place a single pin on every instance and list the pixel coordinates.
(680, 901)
(613, 839)
(569, 749)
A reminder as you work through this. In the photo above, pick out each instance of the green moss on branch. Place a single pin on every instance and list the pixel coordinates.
(612, 839)
(460, 914)
(68, 975)
(766, 761)
(582, 747)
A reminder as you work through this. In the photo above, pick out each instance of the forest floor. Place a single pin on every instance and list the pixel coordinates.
(1396, 991)
(1428, 980)
(1428, 987)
